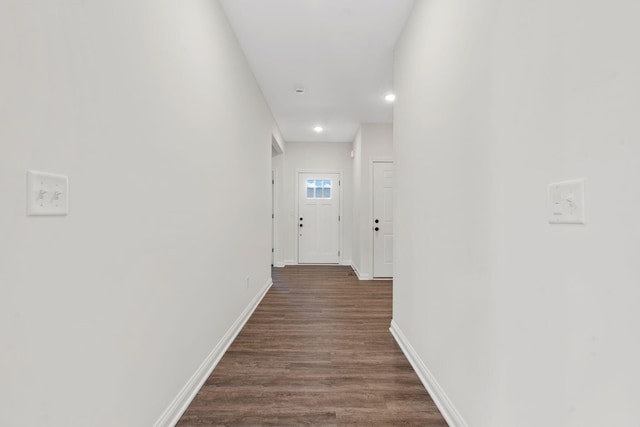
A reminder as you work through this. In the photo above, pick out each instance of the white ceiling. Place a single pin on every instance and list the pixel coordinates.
(340, 51)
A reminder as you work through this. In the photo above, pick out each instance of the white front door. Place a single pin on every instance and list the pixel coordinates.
(383, 219)
(318, 218)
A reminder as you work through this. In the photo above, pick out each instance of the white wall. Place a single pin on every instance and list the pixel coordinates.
(314, 156)
(277, 165)
(520, 322)
(357, 201)
(374, 141)
(151, 110)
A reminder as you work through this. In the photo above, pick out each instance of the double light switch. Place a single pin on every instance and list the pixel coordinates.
(47, 194)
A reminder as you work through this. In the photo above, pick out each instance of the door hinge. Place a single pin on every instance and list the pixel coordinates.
(338, 253)
(273, 181)
(339, 182)
(272, 250)
(273, 216)
(338, 217)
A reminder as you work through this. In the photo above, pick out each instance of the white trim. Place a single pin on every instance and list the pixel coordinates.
(290, 262)
(330, 264)
(274, 221)
(181, 402)
(358, 274)
(440, 398)
(279, 265)
(346, 262)
(277, 145)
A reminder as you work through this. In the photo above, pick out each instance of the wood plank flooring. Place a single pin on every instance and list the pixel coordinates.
(317, 351)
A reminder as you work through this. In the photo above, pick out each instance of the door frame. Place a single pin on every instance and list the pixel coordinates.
(276, 150)
(275, 217)
(340, 206)
(373, 160)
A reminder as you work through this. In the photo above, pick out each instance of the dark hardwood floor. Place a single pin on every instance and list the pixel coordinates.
(317, 351)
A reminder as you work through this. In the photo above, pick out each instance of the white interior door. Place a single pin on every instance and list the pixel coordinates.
(318, 218)
(383, 219)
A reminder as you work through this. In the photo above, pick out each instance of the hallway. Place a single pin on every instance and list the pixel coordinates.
(151, 162)
(317, 351)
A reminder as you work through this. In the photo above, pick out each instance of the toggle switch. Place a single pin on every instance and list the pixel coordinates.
(566, 202)
(47, 194)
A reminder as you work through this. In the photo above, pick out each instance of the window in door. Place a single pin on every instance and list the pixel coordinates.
(319, 188)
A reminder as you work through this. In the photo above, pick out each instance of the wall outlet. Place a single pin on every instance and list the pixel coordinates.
(47, 194)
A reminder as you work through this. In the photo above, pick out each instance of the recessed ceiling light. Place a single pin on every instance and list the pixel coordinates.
(318, 129)
(390, 97)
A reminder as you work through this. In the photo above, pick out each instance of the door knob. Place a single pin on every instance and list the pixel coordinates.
(300, 225)
(300, 219)
(377, 221)
(377, 228)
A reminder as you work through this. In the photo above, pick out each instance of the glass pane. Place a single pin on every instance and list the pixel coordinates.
(319, 188)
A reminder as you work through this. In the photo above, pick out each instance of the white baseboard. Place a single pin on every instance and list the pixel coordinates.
(279, 265)
(346, 262)
(440, 398)
(179, 405)
(360, 275)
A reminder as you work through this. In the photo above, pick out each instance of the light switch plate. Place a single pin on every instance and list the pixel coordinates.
(47, 194)
(566, 202)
